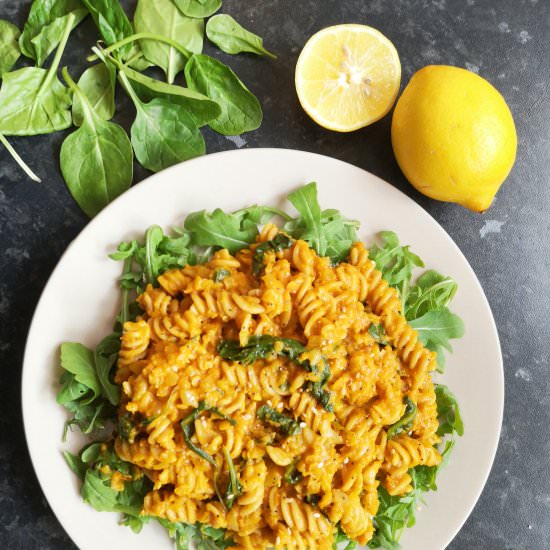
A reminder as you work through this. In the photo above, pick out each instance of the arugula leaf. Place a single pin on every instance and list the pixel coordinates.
(79, 360)
(162, 134)
(448, 412)
(96, 160)
(327, 231)
(240, 109)
(405, 423)
(97, 83)
(32, 100)
(285, 424)
(162, 17)
(203, 536)
(431, 291)
(232, 38)
(9, 46)
(111, 21)
(198, 8)
(45, 26)
(341, 537)
(105, 356)
(396, 262)
(437, 327)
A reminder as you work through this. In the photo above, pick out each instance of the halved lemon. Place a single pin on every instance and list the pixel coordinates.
(347, 77)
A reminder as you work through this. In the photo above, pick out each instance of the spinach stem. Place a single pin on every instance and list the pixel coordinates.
(59, 52)
(143, 36)
(86, 107)
(18, 159)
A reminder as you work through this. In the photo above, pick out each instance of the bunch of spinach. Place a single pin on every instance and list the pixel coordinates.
(168, 34)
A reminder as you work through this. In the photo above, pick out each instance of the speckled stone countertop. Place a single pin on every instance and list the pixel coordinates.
(506, 41)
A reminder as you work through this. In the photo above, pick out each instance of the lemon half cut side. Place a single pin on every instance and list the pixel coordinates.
(347, 77)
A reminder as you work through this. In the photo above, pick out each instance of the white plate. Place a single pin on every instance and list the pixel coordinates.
(81, 299)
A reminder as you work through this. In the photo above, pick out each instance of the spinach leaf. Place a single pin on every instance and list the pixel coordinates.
(198, 8)
(9, 47)
(241, 110)
(45, 26)
(96, 160)
(284, 424)
(135, 58)
(234, 487)
(162, 133)
(111, 21)
(33, 101)
(97, 83)
(448, 412)
(396, 262)
(405, 423)
(292, 475)
(232, 38)
(326, 231)
(162, 17)
(278, 243)
(18, 159)
(198, 106)
(264, 346)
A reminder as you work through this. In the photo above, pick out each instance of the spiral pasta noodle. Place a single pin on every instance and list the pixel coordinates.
(286, 445)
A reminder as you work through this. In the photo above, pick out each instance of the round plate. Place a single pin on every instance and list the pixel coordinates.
(81, 300)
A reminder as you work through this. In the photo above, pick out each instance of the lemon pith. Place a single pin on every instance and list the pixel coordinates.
(453, 136)
(347, 77)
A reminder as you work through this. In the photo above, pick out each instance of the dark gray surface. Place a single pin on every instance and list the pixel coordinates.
(507, 41)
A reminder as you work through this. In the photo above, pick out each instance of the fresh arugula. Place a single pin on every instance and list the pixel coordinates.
(448, 412)
(97, 83)
(198, 8)
(424, 303)
(284, 424)
(404, 424)
(240, 109)
(162, 17)
(326, 231)
(46, 24)
(95, 465)
(204, 537)
(96, 160)
(33, 100)
(232, 38)
(9, 46)
(341, 538)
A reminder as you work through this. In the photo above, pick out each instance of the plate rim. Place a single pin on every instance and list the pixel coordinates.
(148, 181)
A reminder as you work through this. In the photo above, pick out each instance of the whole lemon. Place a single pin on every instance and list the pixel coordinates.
(453, 136)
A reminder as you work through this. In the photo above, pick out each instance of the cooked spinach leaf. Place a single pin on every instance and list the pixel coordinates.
(240, 109)
(9, 46)
(232, 38)
(221, 274)
(292, 475)
(278, 243)
(234, 487)
(284, 424)
(404, 424)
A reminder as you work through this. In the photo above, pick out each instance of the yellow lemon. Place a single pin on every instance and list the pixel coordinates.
(347, 77)
(454, 136)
